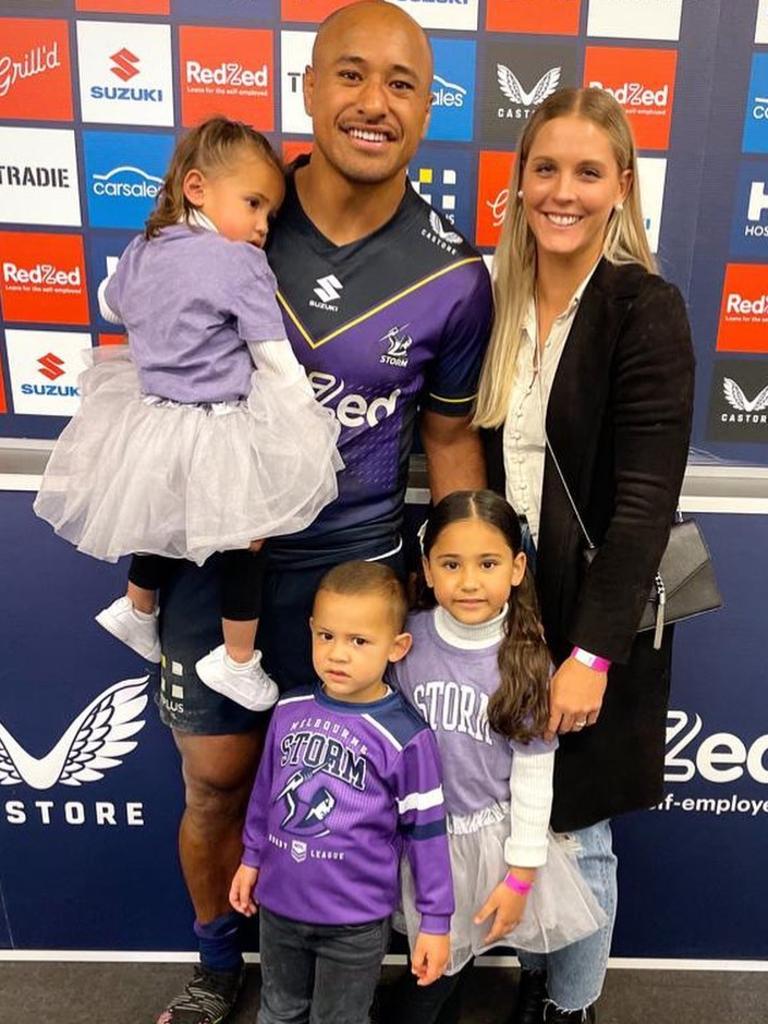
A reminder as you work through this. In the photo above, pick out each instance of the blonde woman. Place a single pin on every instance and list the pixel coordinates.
(591, 346)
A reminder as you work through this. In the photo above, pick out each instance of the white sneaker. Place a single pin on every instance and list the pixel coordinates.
(247, 684)
(138, 630)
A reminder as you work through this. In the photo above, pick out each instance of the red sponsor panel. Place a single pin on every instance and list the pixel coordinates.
(540, 17)
(3, 403)
(313, 11)
(112, 339)
(42, 278)
(35, 76)
(125, 6)
(295, 147)
(643, 81)
(744, 309)
(227, 71)
(493, 176)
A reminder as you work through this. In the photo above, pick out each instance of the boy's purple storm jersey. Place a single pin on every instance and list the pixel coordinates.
(393, 323)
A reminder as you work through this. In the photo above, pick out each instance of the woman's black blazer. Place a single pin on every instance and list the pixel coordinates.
(619, 419)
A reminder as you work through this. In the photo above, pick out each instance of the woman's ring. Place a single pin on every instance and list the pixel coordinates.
(580, 725)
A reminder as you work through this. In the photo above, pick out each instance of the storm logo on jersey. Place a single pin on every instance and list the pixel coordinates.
(307, 808)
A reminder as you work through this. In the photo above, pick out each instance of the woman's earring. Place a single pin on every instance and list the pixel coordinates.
(520, 194)
(619, 207)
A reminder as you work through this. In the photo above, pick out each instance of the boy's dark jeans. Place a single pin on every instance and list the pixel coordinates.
(318, 974)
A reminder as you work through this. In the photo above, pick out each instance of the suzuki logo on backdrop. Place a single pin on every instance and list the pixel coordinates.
(126, 64)
(35, 77)
(518, 77)
(50, 367)
(227, 71)
(135, 54)
(97, 740)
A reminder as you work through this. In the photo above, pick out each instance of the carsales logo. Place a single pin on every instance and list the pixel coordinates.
(227, 71)
(493, 178)
(42, 278)
(744, 309)
(35, 78)
(643, 82)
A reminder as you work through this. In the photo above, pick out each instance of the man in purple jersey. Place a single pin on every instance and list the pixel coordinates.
(389, 310)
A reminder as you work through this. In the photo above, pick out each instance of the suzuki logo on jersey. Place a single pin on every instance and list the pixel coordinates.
(352, 410)
(95, 742)
(50, 366)
(398, 343)
(328, 290)
(125, 72)
(125, 64)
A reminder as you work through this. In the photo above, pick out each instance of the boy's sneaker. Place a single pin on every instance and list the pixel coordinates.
(138, 630)
(207, 999)
(246, 684)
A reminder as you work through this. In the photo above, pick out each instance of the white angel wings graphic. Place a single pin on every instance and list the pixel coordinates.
(97, 740)
(445, 233)
(510, 86)
(736, 397)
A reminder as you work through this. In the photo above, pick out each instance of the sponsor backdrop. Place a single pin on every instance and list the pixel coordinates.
(93, 94)
(92, 97)
(90, 791)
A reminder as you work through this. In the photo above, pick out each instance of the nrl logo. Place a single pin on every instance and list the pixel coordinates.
(736, 398)
(97, 740)
(515, 93)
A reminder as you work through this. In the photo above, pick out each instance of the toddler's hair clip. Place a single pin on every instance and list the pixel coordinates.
(420, 533)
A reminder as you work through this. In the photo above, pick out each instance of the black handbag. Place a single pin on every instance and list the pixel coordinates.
(685, 583)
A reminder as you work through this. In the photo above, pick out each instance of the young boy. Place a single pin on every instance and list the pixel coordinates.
(350, 777)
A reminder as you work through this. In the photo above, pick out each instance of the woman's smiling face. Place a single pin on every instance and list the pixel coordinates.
(571, 183)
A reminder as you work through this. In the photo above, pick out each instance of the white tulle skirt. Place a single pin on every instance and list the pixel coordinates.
(560, 908)
(132, 473)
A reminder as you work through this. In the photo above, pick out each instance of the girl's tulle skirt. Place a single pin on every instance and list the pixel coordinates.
(132, 473)
(559, 910)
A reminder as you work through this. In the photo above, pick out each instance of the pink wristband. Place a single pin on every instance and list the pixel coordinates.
(516, 885)
(590, 660)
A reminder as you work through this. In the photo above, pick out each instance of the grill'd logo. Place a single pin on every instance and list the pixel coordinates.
(35, 77)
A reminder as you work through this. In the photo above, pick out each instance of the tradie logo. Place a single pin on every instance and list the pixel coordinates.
(50, 368)
(326, 291)
(515, 93)
(736, 398)
(125, 61)
(96, 741)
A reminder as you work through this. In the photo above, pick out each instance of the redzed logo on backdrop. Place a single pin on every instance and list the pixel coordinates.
(313, 11)
(35, 78)
(493, 176)
(643, 82)
(42, 278)
(541, 17)
(744, 309)
(227, 71)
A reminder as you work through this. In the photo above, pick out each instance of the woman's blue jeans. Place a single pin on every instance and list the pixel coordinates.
(575, 974)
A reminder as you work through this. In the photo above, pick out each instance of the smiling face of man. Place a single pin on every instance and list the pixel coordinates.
(369, 91)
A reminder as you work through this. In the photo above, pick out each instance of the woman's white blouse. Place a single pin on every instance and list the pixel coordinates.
(523, 437)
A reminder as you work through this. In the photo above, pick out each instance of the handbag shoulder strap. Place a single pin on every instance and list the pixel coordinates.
(567, 490)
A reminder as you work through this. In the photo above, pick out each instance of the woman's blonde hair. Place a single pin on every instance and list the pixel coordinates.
(210, 147)
(514, 266)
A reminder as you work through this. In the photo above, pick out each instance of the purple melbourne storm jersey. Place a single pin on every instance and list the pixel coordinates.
(341, 791)
(394, 322)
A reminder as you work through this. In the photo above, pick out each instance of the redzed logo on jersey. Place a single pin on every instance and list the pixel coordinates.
(493, 176)
(35, 78)
(541, 17)
(42, 278)
(227, 71)
(744, 309)
(643, 82)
